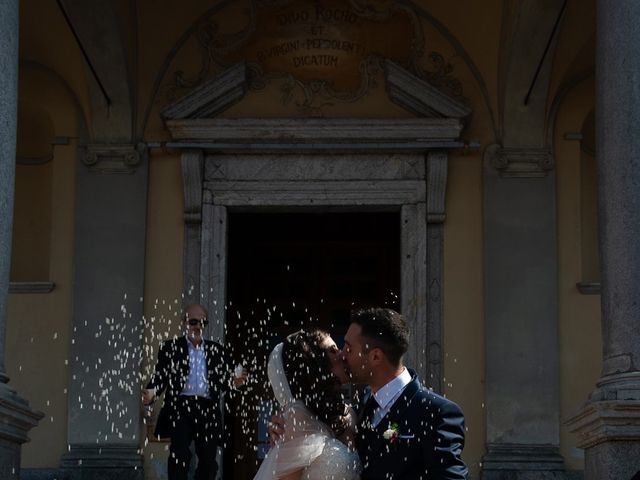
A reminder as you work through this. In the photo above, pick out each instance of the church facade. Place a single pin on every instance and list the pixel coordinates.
(282, 162)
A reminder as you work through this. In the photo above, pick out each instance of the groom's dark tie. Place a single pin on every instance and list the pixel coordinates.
(369, 409)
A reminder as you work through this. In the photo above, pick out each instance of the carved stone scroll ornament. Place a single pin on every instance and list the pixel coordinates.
(318, 52)
(192, 168)
(114, 158)
(534, 162)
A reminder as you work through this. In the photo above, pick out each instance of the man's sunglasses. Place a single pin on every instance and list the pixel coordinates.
(198, 321)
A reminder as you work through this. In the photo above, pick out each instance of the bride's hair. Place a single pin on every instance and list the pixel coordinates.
(308, 370)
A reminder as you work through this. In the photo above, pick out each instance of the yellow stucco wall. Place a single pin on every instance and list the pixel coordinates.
(463, 300)
(163, 273)
(579, 315)
(39, 325)
(571, 99)
(47, 44)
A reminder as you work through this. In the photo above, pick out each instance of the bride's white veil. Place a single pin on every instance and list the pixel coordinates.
(305, 436)
(277, 378)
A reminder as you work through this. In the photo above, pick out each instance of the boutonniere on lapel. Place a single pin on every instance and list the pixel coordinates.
(392, 433)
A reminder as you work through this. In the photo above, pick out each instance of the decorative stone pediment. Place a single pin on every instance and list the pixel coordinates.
(191, 121)
(403, 88)
(321, 163)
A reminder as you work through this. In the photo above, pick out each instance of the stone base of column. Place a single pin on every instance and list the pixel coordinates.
(16, 419)
(622, 386)
(508, 461)
(609, 432)
(102, 462)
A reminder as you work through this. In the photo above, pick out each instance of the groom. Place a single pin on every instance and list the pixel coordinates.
(406, 431)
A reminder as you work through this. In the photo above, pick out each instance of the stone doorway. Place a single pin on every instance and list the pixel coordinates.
(392, 164)
(288, 271)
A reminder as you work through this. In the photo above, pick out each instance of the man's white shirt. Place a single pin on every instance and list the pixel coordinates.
(388, 395)
(196, 383)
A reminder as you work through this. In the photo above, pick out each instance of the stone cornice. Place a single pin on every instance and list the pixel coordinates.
(310, 134)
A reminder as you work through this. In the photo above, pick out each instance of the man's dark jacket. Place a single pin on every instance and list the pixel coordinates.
(171, 373)
(430, 439)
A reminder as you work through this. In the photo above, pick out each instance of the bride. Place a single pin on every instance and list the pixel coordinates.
(305, 372)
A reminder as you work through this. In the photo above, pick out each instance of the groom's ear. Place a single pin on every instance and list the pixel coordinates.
(376, 356)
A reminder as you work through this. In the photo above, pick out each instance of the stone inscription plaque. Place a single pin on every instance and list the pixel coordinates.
(327, 40)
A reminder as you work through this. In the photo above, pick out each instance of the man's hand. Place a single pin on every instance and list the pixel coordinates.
(276, 429)
(148, 396)
(239, 380)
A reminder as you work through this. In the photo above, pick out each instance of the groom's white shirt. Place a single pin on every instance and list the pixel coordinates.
(388, 395)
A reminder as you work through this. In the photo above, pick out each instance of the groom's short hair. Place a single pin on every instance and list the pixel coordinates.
(384, 329)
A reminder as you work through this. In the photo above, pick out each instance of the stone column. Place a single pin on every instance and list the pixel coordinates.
(609, 424)
(8, 111)
(16, 418)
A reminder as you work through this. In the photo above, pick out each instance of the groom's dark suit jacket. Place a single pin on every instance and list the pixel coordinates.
(171, 373)
(431, 439)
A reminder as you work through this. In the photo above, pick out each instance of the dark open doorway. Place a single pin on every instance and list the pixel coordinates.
(288, 271)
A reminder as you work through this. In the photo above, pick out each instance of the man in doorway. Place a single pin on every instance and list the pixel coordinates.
(194, 372)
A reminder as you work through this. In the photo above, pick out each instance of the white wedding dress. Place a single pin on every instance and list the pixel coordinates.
(308, 444)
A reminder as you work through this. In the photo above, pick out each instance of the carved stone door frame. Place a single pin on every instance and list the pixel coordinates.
(292, 162)
(409, 181)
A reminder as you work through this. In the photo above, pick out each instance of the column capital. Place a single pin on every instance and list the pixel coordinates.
(520, 162)
(113, 157)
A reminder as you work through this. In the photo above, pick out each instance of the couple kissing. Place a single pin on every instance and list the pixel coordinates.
(400, 431)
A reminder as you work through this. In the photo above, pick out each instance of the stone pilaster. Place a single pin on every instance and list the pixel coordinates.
(609, 424)
(104, 392)
(192, 169)
(16, 418)
(522, 382)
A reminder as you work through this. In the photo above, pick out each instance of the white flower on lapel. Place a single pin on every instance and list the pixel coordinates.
(392, 433)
